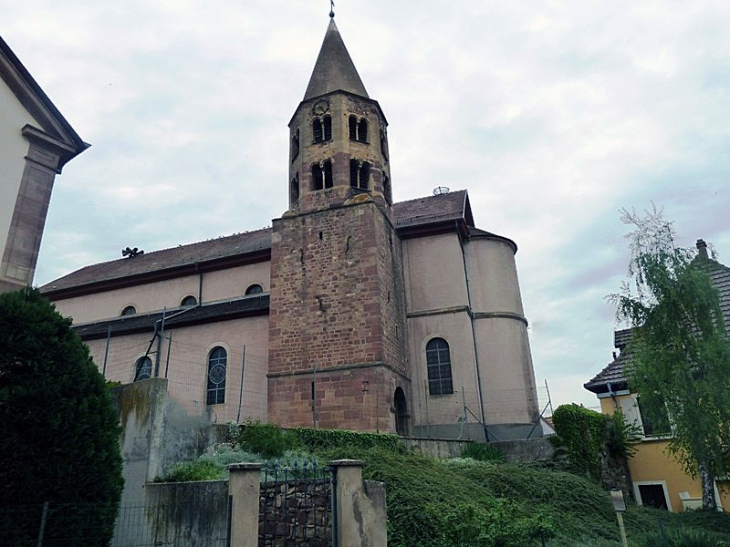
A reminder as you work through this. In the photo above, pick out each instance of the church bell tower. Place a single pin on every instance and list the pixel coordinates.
(337, 315)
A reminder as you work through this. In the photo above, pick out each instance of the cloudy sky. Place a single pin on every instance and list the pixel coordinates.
(553, 114)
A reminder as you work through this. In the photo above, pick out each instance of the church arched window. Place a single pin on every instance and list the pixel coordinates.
(387, 192)
(359, 174)
(294, 190)
(143, 369)
(254, 289)
(322, 175)
(217, 363)
(322, 129)
(295, 145)
(188, 301)
(362, 130)
(358, 129)
(438, 362)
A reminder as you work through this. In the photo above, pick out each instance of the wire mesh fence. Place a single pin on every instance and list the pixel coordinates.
(184, 359)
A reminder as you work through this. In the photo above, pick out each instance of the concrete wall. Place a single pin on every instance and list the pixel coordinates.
(13, 116)
(156, 434)
(217, 285)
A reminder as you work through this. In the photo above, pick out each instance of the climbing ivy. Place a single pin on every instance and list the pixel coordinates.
(582, 433)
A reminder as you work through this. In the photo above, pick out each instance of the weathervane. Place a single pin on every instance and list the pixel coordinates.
(332, 8)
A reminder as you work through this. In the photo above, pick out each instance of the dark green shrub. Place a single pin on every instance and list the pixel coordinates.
(60, 428)
(581, 432)
(482, 452)
(268, 440)
(680, 538)
(317, 439)
(194, 471)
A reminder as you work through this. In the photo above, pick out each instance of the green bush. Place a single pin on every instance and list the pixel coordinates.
(194, 471)
(681, 538)
(316, 439)
(60, 428)
(582, 433)
(482, 452)
(268, 440)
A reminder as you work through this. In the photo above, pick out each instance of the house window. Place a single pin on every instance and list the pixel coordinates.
(322, 175)
(322, 129)
(129, 310)
(652, 495)
(295, 145)
(654, 425)
(254, 289)
(358, 129)
(359, 174)
(189, 301)
(143, 369)
(217, 361)
(438, 362)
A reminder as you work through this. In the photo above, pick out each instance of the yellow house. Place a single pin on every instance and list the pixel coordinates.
(657, 478)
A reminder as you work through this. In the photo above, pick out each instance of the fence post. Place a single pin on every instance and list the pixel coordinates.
(243, 489)
(360, 520)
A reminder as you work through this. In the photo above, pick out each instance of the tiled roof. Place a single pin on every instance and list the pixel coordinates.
(451, 206)
(617, 372)
(448, 207)
(217, 311)
(166, 259)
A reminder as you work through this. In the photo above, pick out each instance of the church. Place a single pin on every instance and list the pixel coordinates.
(350, 311)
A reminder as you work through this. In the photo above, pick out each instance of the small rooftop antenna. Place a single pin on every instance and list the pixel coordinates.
(332, 8)
(440, 190)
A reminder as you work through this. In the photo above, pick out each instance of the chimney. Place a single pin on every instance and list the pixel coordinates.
(702, 249)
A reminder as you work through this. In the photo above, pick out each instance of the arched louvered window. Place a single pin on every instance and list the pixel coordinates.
(358, 129)
(322, 129)
(352, 126)
(294, 190)
(438, 362)
(295, 145)
(143, 369)
(322, 175)
(359, 174)
(217, 364)
(362, 130)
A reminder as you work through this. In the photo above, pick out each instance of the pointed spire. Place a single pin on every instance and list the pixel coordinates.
(334, 69)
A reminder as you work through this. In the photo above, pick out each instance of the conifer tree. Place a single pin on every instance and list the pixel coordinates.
(59, 427)
(680, 349)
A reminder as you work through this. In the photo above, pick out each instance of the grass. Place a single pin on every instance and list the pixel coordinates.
(471, 503)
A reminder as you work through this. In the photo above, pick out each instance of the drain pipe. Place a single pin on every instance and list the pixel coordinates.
(473, 334)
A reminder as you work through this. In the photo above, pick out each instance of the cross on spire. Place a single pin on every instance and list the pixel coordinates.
(332, 8)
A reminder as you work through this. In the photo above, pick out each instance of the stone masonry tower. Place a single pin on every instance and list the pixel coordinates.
(337, 314)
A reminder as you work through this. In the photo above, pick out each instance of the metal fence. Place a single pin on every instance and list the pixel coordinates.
(295, 506)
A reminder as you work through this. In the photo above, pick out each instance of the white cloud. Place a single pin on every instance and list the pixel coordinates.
(553, 115)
